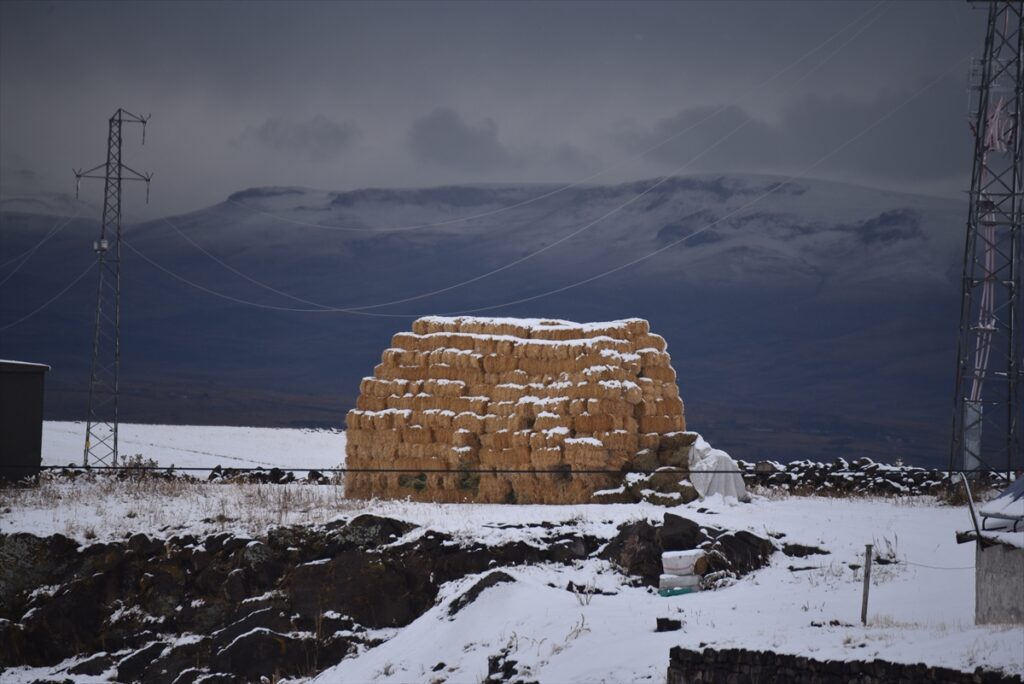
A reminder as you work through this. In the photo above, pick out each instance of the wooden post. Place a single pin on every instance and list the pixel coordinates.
(867, 584)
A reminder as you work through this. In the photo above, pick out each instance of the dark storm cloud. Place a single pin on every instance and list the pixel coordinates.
(923, 137)
(318, 139)
(531, 91)
(444, 138)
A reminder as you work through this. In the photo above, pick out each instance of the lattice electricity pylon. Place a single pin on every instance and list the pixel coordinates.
(102, 420)
(987, 406)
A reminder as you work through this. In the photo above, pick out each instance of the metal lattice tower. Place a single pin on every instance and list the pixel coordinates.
(987, 406)
(102, 421)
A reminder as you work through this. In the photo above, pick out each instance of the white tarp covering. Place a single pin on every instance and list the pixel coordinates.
(712, 471)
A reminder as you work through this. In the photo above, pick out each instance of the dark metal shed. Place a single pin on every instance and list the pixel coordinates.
(21, 418)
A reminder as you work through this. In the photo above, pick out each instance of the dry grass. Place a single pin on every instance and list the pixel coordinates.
(95, 506)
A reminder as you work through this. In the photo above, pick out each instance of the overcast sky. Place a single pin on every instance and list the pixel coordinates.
(347, 95)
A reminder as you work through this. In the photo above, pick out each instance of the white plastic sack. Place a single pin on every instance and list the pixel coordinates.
(678, 581)
(680, 562)
(712, 471)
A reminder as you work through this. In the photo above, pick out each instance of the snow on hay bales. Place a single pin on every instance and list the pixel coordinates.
(466, 394)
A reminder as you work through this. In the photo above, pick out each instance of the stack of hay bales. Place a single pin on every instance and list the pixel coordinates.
(552, 398)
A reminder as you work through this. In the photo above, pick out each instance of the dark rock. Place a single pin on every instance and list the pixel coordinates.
(130, 668)
(377, 591)
(671, 483)
(200, 558)
(232, 544)
(646, 461)
(567, 550)
(585, 590)
(214, 678)
(28, 561)
(234, 586)
(100, 558)
(215, 543)
(501, 668)
(168, 666)
(474, 592)
(616, 495)
(371, 531)
(145, 547)
(332, 651)
(162, 587)
(270, 619)
(182, 541)
(94, 665)
(740, 552)
(189, 676)
(62, 626)
(679, 534)
(12, 643)
(802, 551)
(668, 625)
(266, 653)
(635, 550)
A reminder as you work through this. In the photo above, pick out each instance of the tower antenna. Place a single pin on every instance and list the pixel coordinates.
(102, 421)
(987, 406)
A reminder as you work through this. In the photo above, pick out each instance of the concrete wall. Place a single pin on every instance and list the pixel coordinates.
(999, 585)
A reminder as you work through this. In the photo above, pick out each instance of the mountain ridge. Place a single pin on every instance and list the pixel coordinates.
(832, 300)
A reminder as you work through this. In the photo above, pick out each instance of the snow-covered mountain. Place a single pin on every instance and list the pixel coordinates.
(805, 319)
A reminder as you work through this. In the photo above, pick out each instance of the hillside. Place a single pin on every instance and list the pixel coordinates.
(814, 319)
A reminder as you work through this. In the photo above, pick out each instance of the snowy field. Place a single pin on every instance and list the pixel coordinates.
(198, 446)
(921, 608)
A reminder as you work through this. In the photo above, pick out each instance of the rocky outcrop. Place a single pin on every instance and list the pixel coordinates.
(726, 666)
(229, 609)
(637, 548)
(288, 605)
(861, 476)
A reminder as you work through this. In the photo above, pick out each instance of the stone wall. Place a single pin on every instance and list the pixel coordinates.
(999, 585)
(458, 402)
(727, 666)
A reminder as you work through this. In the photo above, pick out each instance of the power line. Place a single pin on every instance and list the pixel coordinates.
(936, 567)
(625, 162)
(26, 255)
(553, 471)
(51, 300)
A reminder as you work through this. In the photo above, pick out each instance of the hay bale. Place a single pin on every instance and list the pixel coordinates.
(660, 373)
(546, 458)
(465, 438)
(620, 440)
(496, 441)
(591, 423)
(512, 394)
(468, 421)
(650, 341)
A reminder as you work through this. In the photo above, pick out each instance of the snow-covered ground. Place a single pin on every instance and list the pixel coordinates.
(198, 446)
(921, 606)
